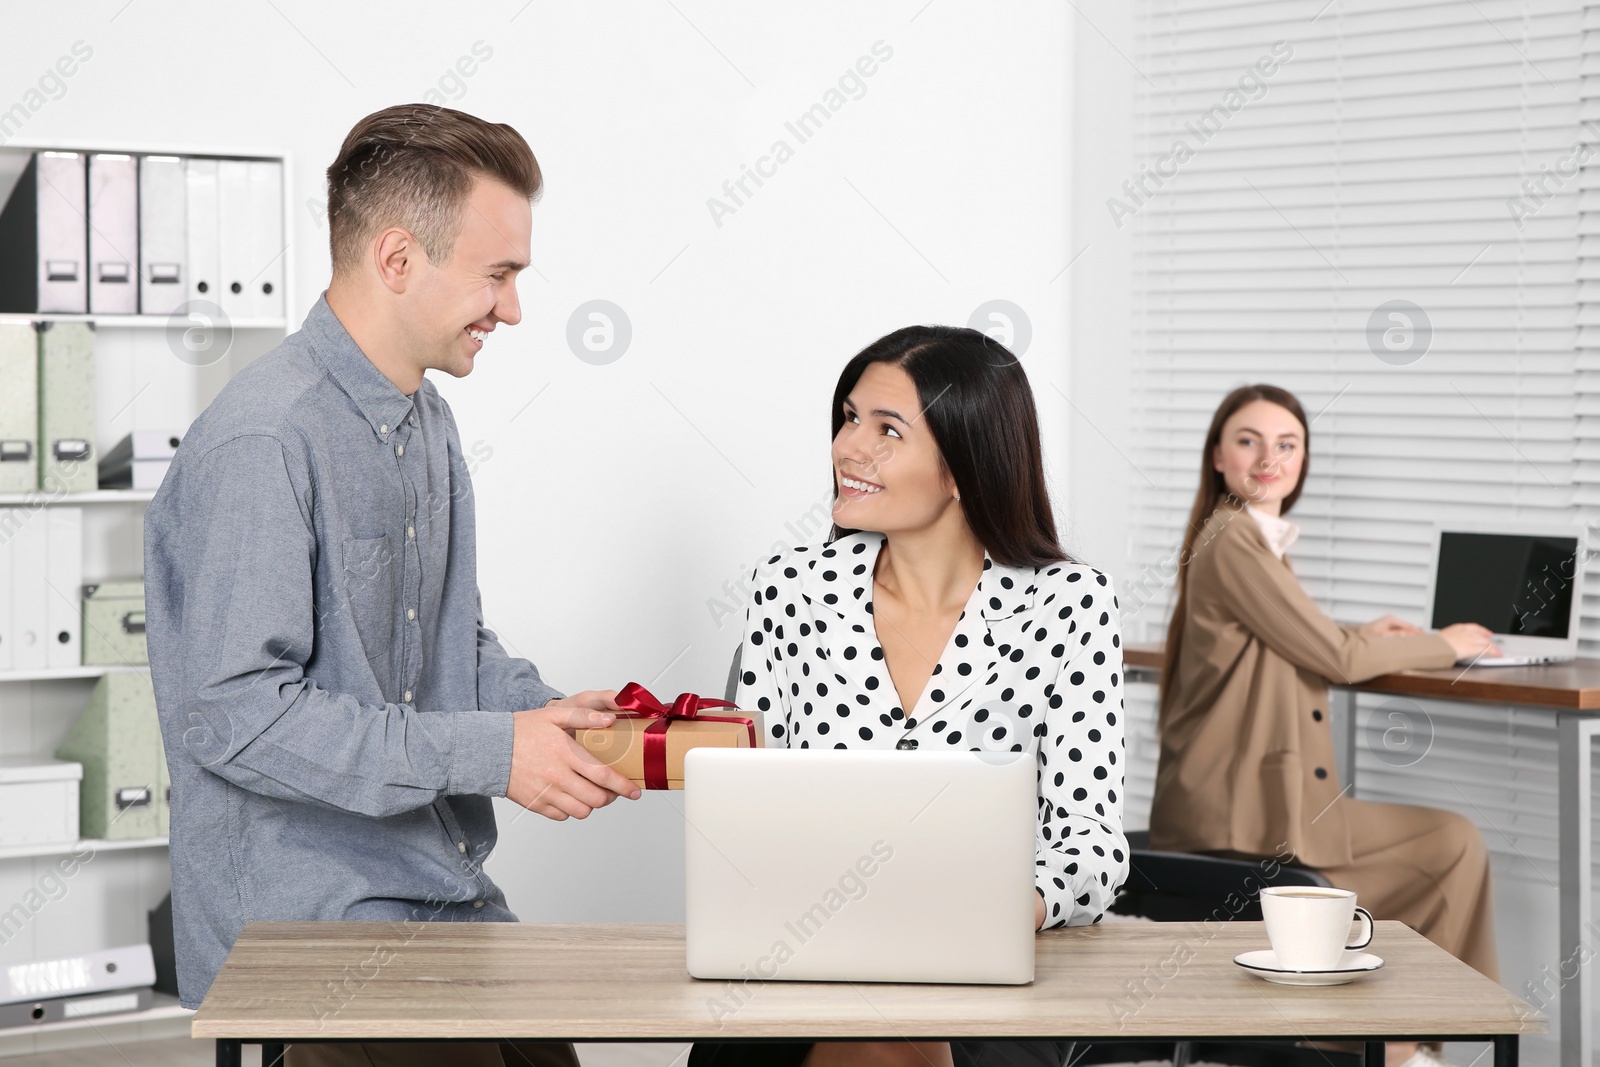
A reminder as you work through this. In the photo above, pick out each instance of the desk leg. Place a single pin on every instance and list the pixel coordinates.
(230, 1052)
(1342, 721)
(1505, 1050)
(1575, 735)
(1373, 1053)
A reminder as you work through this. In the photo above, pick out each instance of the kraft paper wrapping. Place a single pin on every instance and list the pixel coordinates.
(622, 745)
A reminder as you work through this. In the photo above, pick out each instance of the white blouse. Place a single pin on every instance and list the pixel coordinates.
(1035, 661)
(1279, 532)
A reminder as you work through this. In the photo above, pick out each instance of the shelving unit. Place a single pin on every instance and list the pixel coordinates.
(163, 1019)
(59, 674)
(40, 498)
(22, 852)
(139, 384)
(136, 322)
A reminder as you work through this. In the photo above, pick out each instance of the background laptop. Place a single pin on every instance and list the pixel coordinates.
(860, 866)
(1525, 585)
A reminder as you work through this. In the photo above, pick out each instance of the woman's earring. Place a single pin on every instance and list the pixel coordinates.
(958, 496)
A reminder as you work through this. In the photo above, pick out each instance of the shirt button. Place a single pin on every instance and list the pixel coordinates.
(477, 903)
(411, 613)
(384, 428)
(461, 846)
(399, 450)
(1316, 716)
(411, 531)
(408, 696)
(1321, 772)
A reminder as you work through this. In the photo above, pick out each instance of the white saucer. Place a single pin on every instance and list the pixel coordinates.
(1352, 965)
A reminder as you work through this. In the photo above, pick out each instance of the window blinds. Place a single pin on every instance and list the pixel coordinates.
(1384, 160)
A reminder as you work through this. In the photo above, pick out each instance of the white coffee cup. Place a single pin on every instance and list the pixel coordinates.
(1309, 926)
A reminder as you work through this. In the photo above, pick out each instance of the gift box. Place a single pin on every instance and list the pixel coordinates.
(648, 741)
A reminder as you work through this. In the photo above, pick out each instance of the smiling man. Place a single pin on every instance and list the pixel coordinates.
(336, 716)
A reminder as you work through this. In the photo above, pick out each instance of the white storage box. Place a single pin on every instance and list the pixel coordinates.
(38, 801)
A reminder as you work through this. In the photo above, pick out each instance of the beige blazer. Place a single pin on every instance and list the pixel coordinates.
(1247, 758)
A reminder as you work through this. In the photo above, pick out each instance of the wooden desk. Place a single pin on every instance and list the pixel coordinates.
(1570, 693)
(1572, 687)
(1113, 982)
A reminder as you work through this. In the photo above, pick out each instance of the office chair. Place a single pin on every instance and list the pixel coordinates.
(1184, 887)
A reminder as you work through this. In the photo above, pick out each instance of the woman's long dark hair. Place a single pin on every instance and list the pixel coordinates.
(978, 406)
(1213, 492)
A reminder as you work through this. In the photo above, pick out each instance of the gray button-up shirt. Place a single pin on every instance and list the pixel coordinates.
(334, 712)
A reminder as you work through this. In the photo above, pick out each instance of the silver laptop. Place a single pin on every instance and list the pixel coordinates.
(860, 866)
(1525, 584)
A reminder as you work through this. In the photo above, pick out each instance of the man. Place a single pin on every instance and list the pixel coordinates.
(335, 715)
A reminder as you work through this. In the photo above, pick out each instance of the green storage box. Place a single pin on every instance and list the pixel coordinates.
(19, 408)
(117, 738)
(67, 461)
(113, 624)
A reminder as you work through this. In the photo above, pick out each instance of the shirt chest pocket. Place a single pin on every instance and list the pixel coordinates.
(368, 576)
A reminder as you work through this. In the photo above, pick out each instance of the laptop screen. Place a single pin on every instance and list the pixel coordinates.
(1510, 583)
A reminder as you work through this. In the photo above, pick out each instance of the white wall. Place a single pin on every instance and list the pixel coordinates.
(624, 496)
(1100, 493)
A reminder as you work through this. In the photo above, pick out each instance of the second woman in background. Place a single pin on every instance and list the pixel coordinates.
(1247, 759)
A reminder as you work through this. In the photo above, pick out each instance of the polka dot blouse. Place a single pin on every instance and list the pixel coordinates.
(1034, 664)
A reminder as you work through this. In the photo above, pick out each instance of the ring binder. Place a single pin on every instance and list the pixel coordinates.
(44, 237)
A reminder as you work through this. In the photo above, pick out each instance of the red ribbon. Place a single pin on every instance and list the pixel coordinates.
(637, 702)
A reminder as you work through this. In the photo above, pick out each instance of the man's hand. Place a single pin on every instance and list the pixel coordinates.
(551, 774)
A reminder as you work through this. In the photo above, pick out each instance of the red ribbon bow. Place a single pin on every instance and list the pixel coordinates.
(637, 702)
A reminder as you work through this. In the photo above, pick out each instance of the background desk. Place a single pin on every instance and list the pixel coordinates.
(1568, 691)
(1116, 981)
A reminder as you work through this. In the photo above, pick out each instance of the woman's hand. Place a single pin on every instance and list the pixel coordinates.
(1469, 640)
(1388, 626)
(1038, 910)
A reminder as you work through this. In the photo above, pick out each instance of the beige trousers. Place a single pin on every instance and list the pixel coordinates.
(1429, 869)
(431, 1054)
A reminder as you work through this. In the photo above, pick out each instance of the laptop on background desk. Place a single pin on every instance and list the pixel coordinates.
(1524, 584)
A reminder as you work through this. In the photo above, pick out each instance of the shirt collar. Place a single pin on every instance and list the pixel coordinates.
(383, 405)
(1001, 593)
(1279, 532)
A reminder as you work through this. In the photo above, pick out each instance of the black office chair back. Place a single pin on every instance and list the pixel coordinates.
(1187, 887)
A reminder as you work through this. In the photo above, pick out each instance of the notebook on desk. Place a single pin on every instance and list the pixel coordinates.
(1525, 585)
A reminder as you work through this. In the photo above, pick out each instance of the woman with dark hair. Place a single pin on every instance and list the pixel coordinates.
(1247, 767)
(944, 615)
